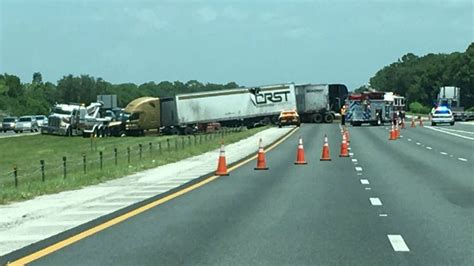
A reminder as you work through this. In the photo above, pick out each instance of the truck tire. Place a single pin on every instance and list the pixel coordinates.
(328, 118)
(433, 124)
(317, 118)
(174, 131)
(188, 131)
(452, 123)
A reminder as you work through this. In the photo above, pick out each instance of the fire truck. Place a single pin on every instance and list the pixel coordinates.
(373, 107)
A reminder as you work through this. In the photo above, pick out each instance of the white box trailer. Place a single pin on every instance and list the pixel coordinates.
(242, 106)
(318, 103)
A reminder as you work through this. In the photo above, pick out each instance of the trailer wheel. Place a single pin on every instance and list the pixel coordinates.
(174, 131)
(188, 131)
(317, 118)
(328, 118)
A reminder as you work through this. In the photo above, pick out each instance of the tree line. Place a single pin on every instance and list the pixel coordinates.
(37, 97)
(419, 78)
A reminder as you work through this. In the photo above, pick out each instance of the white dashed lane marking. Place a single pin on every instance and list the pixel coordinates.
(429, 148)
(375, 201)
(354, 160)
(383, 215)
(398, 244)
(351, 154)
(462, 159)
(367, 188)
(358, 168)
(364, 181)
(418, 143)
(409, 139)
(443, 153)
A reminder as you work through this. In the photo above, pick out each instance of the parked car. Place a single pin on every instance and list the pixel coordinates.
(41, 120)
(9, 123)
(289, 118)
(26, 123)
(441, 115)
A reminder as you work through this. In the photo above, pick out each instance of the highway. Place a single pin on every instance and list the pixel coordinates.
(403, 202)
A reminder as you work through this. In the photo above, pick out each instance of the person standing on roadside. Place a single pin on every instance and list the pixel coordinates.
(343, 115)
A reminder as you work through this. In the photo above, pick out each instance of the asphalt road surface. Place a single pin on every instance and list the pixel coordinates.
(403, 202)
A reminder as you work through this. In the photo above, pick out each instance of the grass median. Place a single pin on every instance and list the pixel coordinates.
(71, 163)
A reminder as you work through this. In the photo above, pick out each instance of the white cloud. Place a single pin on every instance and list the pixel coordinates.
(207, 14)
(233, 13)
(297, 33)
(147, 19)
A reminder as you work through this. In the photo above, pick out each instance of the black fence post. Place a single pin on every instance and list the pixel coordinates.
(115, 155)
(182, 142)
(189, 140)
(64, 166)
(195, 140)
(42, 170)
(100, 159)
(176, 144)
(128, 155)
(84, 162)
(168, 141)
(151, 148)
(159, 147)
(15, 175)
(140, 147)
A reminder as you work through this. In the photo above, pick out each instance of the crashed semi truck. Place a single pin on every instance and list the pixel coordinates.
(252, 106)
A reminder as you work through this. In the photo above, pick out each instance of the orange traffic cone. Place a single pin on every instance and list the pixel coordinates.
(261, 163)
(403, 124)
(325, 154)
(421, 122)
(393, 134)
(413, 122)
(344, 148)
(397, 131)
(346, 132)
(222, 166)
(300, 153)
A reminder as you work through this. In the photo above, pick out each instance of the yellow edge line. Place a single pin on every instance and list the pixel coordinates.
(71, 240)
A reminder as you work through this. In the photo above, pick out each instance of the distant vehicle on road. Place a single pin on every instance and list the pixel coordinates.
(9, 123)
(450, 97)
(289, 118)
(41, 120)
(26, 123)
(442, 115)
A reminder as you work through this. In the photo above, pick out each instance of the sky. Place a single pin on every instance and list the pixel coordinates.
(250, 42)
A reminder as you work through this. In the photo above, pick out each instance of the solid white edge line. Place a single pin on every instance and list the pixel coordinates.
(375, 202)
(449, 133)
(398, 244)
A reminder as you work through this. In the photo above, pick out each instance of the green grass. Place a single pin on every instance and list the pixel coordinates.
(26, 153)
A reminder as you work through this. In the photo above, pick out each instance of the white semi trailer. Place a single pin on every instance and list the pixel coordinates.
(235, 107)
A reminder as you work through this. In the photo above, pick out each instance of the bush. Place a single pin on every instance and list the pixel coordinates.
(471, 109)
(418, 108)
